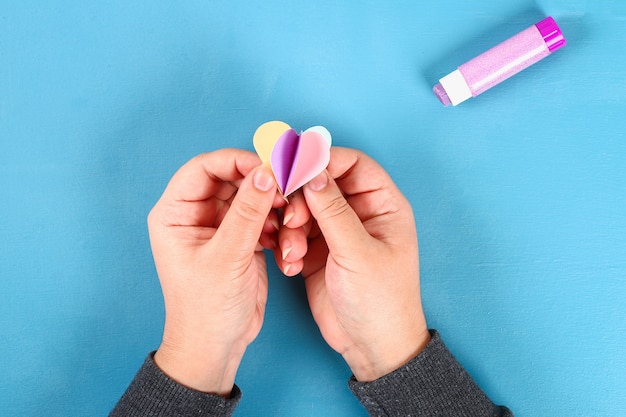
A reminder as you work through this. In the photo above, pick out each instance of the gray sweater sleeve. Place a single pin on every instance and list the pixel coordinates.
(431, 384)
(152, 393)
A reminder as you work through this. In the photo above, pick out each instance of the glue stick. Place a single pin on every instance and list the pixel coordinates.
(500, 62)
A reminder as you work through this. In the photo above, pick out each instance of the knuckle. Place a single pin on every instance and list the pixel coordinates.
(154, 217)
(248, 210)
(335, 207)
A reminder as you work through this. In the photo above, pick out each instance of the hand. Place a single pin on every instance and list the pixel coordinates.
(205, 233)
(360, 262)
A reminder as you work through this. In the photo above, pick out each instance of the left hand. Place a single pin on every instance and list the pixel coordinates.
(207, 233)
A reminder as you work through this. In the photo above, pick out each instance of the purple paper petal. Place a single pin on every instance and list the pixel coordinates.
(283, 156)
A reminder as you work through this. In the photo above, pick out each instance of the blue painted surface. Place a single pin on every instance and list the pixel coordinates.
(519, 195)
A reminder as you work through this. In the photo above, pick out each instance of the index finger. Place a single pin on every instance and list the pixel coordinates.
(366, 185)
(201, 177)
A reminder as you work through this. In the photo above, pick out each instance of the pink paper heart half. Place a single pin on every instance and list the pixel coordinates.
(297, 159)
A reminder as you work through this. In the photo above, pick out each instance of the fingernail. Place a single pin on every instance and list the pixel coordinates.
(262, 180)
(287, 268)
(320, 182)
(287, 250)
(288, 217)
(274, 223)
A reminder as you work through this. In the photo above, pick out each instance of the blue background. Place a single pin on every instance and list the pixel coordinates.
(519, 194)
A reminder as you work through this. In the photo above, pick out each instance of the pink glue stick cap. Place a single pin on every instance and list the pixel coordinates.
(552, 35)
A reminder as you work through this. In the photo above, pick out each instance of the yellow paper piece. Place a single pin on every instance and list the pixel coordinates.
(266, 136)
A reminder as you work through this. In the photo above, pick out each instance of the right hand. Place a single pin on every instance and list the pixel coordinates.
(356, 245)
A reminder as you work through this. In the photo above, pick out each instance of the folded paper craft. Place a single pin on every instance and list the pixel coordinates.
(295, 158)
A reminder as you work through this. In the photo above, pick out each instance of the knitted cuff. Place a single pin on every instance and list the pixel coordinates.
(431, 384)
(152, 393)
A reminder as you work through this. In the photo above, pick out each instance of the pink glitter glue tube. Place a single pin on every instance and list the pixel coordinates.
(500, 62)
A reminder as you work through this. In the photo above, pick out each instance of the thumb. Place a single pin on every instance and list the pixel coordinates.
(338, 222)
(239, 232)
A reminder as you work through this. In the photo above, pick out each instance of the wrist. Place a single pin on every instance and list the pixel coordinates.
(211, 370)
(372, 362)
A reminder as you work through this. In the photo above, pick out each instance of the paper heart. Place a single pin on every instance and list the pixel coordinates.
(295, 159)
